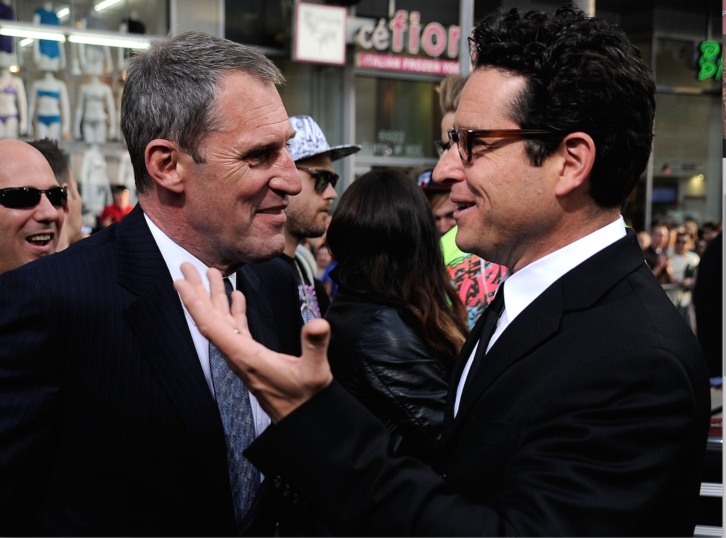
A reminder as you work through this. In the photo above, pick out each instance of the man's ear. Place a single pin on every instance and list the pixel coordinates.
(163, 163)
(577, 151)
(67, 207)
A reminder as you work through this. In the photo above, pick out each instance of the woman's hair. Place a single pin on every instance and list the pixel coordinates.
(450, 92)
(385, 240)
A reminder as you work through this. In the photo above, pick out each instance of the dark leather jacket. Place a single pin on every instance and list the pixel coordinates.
(378, 354)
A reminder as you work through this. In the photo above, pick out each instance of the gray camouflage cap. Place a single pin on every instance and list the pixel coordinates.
(309, 141)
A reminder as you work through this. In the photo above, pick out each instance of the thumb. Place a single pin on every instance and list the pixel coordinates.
(315, 339)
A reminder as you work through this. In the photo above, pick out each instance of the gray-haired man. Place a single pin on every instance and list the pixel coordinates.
(117, 417)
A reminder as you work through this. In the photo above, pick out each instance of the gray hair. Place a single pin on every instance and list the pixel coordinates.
(171, 91)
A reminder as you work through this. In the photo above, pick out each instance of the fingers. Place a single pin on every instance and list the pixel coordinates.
(191, 274)
(216, 291)
(188, 288)
(195, 298)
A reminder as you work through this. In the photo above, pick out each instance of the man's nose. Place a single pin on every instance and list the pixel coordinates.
(449, 169)
(45, 211)
(286, 178)
(329, 193)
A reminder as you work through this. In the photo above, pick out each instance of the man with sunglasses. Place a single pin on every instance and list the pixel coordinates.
(308, 211)
(31, 205)
(579, 404)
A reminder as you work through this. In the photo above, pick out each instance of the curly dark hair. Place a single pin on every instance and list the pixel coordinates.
(384, 238)
(583, 74)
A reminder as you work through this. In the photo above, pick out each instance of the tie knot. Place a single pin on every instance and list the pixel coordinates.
(228, 290)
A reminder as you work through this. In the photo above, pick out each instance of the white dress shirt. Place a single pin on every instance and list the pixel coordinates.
(524, 286)
(174, 256)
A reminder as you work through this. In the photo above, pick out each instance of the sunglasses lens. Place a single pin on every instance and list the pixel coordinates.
(58, 196)
(20, 197)
(323, 178)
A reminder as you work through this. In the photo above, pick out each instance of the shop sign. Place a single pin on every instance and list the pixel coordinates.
(710, 66)
(410, 64)
(320, 33)
(403, 33)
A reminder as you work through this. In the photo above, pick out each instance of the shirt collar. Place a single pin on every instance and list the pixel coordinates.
(174, 255)
(524, 286)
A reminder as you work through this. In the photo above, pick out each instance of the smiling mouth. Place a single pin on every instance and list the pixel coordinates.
(272, 211)
(40, 240)
(464, 205)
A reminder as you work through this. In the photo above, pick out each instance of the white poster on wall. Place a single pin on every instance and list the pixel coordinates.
(320, 33)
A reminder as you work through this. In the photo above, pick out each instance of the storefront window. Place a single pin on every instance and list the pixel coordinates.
(113, 16)
(685, 160)
(265, 23)
(396, 118)
(314, 90)
(677, 64)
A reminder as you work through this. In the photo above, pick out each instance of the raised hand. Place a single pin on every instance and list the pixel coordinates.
(280, 382)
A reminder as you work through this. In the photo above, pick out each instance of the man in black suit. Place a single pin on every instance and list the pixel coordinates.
(117, 417)
(586, 410)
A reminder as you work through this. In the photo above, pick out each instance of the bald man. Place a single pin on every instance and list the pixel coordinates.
(31, 205)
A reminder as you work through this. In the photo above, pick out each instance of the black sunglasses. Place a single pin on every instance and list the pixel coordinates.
(321, 176)
(464, 137)
(28, 197)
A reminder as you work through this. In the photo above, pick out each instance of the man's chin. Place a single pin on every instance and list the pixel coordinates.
(266, 252)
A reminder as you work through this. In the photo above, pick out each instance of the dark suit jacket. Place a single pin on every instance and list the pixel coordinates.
(107, 425)
(589, 416)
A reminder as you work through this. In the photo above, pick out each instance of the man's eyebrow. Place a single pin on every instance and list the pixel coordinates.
(264, 146)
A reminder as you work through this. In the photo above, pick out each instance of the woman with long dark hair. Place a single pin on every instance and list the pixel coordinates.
(397, 323)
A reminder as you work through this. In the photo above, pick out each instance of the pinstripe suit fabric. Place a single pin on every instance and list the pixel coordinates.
(107, 425)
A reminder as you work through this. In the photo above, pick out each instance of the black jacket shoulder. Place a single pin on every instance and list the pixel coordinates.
(379, 356)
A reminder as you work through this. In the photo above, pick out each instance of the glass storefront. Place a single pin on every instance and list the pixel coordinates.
(71, 91)
(396, 118)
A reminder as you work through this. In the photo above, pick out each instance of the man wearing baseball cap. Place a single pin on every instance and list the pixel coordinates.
(307, 212)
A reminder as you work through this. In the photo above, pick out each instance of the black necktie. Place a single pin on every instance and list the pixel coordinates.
(491, 316)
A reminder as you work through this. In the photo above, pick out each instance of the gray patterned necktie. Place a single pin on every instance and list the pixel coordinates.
(233, 402)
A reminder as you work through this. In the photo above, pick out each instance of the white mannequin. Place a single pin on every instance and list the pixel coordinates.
(45, 62)
(13, 106)
(126, 178)
(94, 59)
(9, 58)
(49, 98)
(90, 111)
(94, 180)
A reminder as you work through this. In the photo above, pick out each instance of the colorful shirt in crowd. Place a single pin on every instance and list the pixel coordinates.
(474, 279)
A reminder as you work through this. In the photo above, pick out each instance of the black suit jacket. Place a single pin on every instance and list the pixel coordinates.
(588, 416)
(107, 425)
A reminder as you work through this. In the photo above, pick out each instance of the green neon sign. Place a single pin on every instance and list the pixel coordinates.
(709, 66)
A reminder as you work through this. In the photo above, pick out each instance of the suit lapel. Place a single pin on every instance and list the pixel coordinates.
(158, 322)
(459, 366)
(579, 289)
